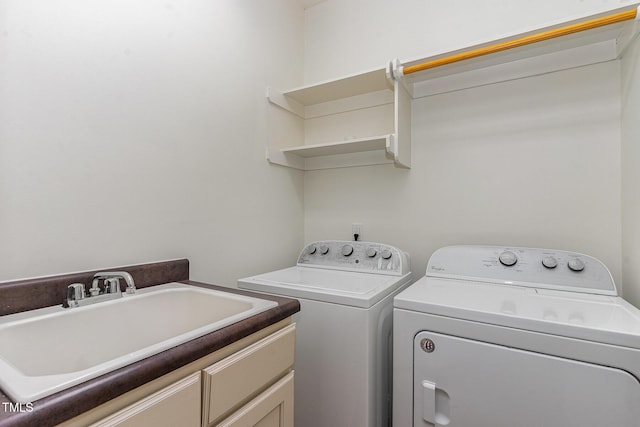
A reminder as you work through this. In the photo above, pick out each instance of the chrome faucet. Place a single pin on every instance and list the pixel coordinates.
(112, 282)
(77, 296)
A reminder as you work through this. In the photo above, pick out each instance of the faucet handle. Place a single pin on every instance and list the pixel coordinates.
(75, 293)
(111, 285)
(106, 275)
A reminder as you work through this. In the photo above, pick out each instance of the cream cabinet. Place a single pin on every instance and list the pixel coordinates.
(272, 408)
(248, 383)
(175, 405)
(252, 384)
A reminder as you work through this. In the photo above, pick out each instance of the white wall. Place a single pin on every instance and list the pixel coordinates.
(631, 173)
(532, 162)
(134, 131)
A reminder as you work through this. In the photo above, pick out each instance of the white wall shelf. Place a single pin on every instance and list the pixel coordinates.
(333, 120)
(582, 48)
(357, 152)
(356, 120)
(345, 147)
(345, 87)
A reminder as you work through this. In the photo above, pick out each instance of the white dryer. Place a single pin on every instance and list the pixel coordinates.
(343, 335)
(505, 337)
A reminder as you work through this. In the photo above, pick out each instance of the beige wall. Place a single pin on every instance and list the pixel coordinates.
(531, 162)
(133, 131)
(631, 174)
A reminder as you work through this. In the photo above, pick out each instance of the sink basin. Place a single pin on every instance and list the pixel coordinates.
(47, 350)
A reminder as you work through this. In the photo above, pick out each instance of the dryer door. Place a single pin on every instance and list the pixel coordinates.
(460, 383)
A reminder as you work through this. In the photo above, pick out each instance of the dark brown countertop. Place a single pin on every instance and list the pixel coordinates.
(76, 400)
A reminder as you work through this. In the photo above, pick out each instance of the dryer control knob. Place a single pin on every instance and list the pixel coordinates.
(312, 250)
(508, 258)
(549, 262)
(386, 254)
(347, 250)
(371, 252)
(324, 249)
(576, 264)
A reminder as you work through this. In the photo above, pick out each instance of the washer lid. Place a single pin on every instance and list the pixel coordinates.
(339, 287)
(606, 319)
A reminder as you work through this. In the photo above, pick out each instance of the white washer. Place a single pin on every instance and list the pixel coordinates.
(496, 336)
(343, 342)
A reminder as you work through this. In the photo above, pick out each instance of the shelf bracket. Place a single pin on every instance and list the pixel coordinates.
(277, 157)
(278, 98)
(628, 36)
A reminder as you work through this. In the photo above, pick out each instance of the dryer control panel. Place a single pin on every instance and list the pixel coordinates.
(363, 257)
(529, 267)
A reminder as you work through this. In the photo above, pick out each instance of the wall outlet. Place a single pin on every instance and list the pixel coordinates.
(356, 228)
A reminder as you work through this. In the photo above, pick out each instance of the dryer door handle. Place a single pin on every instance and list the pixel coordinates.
(429, 402)
(435, 404)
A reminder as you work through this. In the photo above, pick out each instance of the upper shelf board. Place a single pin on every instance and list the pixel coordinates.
(345, 87)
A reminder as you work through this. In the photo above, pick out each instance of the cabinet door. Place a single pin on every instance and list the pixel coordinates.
(237, 379)
(272, 408)
(175, 405)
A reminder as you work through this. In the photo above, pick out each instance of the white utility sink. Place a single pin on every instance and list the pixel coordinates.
(47, 350)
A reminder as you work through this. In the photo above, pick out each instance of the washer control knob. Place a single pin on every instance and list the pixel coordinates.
(386, 254)
(312, 250)
(371, 252)
(508, 258)
(576, 264)
(347, 250)
(549, 262)
(324, 249)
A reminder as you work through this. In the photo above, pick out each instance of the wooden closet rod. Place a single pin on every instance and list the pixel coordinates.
(523, 41)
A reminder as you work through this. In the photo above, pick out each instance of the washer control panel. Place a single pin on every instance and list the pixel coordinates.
(530, 267)
(355, 256)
